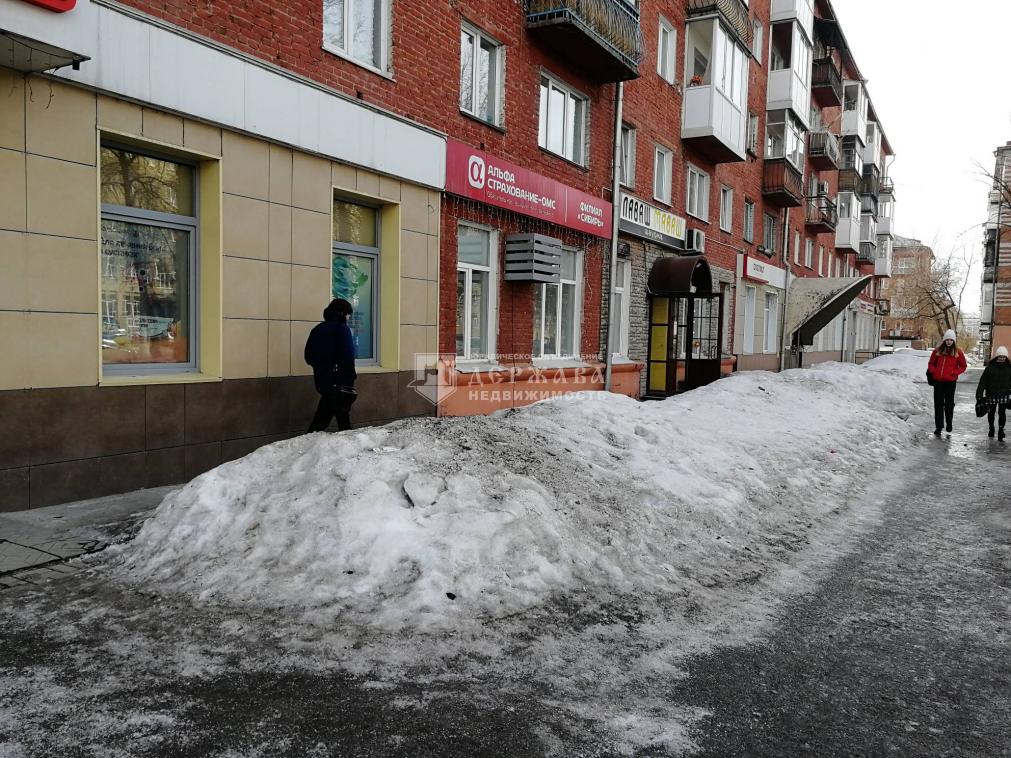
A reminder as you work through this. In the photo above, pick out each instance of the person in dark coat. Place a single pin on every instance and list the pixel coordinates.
(995, 389)
(330, 350)
(946, 364)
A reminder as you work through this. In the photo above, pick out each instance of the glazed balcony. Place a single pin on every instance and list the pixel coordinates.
(989, 274)
(782, 184)
(604, 36)
(871, 181)
(822, 214)
(868, 253)
(826, 83)
(823, 150)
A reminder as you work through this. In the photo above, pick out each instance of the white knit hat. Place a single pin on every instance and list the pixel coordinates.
(950, 335)
(1000, 352)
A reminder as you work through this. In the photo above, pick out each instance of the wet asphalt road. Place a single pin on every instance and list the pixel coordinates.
(905, 649)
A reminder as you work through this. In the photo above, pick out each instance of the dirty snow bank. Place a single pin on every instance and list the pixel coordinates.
(908, 363)
(449, 523)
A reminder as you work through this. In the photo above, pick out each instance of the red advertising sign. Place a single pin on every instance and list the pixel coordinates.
(476, 174)
(57, 6)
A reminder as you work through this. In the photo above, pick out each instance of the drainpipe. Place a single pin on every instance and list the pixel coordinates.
(619, 96)
(786, 292)
(996, 260)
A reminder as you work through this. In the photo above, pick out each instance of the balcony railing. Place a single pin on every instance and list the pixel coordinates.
(782, 184)
(822, 214)
(734, 12)
(989, 274)
(869, 205)
(887, 186)
(602, 35)
(868, 253)
(823, 150)
(826, 83)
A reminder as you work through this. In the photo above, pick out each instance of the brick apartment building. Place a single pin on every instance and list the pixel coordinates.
(905, 326)
(193, 181)
(995, 309)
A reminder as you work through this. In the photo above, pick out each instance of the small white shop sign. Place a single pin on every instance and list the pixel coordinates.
(761, 271)
(649, 222)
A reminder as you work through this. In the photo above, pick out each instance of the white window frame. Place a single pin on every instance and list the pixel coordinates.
(582, 130)
(666, 66)
(726, 208)
(796, 248)
(758, 35)
(622, 286)
(701, 193)
(627, 170)
(663, 166)
(748, 311)
(492, 313)
(496, 75)
(766, 226)
(752, 139)
(821, 260)
(383, 35)
(808, 254)
(749, 220)
(771, 335)
(540, 291)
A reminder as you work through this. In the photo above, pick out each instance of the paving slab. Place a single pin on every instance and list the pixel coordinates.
(43, 536)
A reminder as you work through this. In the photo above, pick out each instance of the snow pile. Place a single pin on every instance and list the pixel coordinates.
(908, 363)
(451, 523)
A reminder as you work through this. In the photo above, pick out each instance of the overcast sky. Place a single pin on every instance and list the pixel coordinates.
(939, 76)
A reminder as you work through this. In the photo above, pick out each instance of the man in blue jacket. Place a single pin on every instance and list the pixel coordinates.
(330, 350)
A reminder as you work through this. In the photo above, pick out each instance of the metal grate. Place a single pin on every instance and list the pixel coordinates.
(533, 258)
(613, 21)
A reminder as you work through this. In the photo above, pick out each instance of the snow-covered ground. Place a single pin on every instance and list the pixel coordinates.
(577, 549)
(910, 363)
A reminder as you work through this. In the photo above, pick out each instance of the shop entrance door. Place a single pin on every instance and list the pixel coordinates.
(685, 342)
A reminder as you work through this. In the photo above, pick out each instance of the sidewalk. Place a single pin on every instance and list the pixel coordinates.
(35, 544)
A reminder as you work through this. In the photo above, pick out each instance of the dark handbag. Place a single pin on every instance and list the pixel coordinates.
(981, 407)
(930, 378)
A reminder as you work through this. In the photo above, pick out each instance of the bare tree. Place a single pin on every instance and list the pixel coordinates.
(936, 294)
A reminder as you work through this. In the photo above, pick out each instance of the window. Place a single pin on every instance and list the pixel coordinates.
(771, 322)
(821, 260)
(749, 320)
(620, 315)
(627, 173)
(480, 76)
(726, 209)
(713, 58)
(557, 312)
(785, 137)
(698, 194)
(149, 263)
(562, 126)
(749, 221)
(757, 40)
(662, 165)
(753, 134)
(357, 29)
(475, 292)
(769, 232)
(808, 253)
(666, 51)
(355, 272)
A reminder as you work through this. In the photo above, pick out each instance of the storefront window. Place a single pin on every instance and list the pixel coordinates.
(148, 263)
(474, 293)
(355, 272)
(556, 312)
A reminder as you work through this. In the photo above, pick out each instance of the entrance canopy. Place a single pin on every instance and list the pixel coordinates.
(814, 302)
(680, 275)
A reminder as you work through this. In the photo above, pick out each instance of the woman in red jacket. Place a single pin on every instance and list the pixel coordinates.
(947, 363)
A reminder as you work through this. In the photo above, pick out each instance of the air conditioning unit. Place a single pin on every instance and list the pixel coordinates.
(695, 241)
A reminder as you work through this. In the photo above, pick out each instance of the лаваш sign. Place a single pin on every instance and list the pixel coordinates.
(480, 176)
(652, 223)
(56, 6)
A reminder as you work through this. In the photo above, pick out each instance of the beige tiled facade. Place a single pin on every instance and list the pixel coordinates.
(275, 240)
